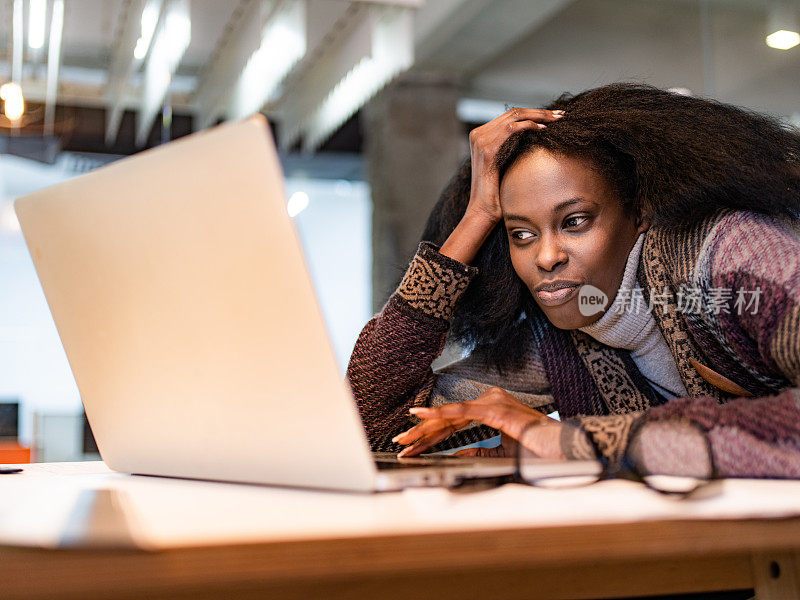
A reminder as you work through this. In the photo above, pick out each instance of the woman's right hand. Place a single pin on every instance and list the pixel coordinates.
(483, 210)
(485, 142)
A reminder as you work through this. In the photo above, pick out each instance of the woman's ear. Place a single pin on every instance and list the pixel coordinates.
(642, 223)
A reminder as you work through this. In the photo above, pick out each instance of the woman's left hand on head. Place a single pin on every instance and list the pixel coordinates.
(497, 409)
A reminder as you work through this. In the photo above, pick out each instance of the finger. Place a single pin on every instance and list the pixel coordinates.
(515, 126)
(534, 114)
(468, 410)
(411, 451)
(417, 431)
(440, 431)
(451, 410)
(426, 427)
(510, 417)
(501, 134)
(426, 442)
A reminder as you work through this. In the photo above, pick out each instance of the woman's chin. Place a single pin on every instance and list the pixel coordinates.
(567, 316)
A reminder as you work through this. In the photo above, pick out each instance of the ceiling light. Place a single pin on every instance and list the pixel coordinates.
(9, 89)
(14, 104)
(37, 10)
(782, 29)
(783, 40)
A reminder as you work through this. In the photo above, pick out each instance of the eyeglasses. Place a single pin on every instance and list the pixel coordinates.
(535, 471)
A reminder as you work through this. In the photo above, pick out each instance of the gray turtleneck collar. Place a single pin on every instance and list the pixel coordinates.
(631, 326)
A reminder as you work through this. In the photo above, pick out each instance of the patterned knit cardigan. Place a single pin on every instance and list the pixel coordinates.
(741, 368)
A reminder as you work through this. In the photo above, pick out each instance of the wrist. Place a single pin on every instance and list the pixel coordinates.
(543, 439)
(480, 219)
(550, 437)
(469, 235)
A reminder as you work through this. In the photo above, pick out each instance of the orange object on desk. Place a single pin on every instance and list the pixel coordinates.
(12, 453)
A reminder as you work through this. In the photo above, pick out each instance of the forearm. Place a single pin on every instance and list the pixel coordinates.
(747, 437)
(468, 237)
(390, 367)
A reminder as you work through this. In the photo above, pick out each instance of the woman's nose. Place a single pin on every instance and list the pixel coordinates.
(551, 253)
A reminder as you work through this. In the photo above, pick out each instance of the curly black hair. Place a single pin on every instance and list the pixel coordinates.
(672, 158)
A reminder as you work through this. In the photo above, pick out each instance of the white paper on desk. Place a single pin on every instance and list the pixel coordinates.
(35, 508)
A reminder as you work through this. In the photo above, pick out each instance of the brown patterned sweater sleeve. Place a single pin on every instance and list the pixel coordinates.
(598, 436)
(390, 367)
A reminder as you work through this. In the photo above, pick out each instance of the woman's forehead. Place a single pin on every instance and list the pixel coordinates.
(551, 180)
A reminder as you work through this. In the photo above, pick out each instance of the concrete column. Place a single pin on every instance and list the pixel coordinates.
(413, 144)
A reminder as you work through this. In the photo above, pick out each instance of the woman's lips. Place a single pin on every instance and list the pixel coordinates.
(557, 297)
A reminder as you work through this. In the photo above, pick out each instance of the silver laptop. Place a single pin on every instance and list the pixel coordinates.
(179, 289)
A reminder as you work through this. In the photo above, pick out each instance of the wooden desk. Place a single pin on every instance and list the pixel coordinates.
(568, 561)
(583, 562)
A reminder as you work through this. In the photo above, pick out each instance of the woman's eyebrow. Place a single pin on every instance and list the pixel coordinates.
(562, 205)
(558, 208)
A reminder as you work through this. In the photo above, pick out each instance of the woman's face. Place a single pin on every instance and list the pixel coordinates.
(565, 226)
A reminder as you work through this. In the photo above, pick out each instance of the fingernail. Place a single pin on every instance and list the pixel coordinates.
(403, 452)
(560, 113)
(398, 436)
(557, 116)
(542, 126)
(417, 410)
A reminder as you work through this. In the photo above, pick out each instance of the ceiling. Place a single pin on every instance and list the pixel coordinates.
(506, 51)
(592, 42)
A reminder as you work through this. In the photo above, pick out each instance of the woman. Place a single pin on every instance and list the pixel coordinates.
(628, 257)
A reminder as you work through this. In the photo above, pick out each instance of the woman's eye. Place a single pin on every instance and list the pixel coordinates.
(574, 221)
(522, 235)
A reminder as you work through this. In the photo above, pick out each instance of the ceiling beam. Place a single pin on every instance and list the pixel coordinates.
(283, 43)
(391, 31)
(18, 36)
(91, 95)
(172, 36)
(53, 65)
(344, 47)
(228, 87)
(357, 55)
(123, 65)
(236, 45)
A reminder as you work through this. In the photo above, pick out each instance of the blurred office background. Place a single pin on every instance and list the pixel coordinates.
(370, 102)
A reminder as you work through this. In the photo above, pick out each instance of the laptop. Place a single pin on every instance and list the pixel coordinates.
(180, 293)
